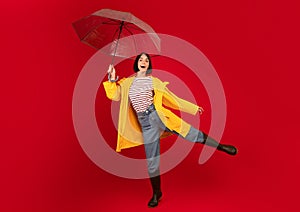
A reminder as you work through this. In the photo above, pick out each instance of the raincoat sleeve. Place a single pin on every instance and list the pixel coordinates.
(174, 102)
(113, 90)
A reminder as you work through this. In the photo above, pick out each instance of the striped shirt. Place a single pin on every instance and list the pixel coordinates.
(141, 93)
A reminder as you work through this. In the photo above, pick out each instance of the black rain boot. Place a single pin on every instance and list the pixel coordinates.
(157, 194)
(229, 149)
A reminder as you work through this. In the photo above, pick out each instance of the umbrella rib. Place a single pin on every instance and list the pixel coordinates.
(125, 27)
(116, 23)
(107, 23)
(132, 26)
(112, 22)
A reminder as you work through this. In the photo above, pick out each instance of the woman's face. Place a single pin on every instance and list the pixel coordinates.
(143, 63)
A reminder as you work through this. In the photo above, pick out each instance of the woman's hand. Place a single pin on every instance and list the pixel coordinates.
(201, 110)
(111, 72)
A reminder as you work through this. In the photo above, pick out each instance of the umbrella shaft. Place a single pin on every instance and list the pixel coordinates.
(121, 27)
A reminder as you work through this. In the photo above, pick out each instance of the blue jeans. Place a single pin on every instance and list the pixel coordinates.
(152, 128)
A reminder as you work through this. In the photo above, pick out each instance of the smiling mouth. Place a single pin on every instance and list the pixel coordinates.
(143, 66)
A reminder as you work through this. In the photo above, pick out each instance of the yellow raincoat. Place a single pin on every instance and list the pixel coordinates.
(129, 130)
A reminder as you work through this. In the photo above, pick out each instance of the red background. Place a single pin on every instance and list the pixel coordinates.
(254, 47)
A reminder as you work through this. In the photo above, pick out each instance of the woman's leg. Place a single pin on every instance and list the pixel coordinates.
(152, 151)
(195, 135)
(152, 128)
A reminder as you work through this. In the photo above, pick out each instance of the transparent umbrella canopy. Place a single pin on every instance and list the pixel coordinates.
(106, 27)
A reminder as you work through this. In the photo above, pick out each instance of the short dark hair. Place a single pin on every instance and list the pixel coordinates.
(135, 65)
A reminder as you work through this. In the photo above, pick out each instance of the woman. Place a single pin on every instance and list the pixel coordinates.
(142, 109)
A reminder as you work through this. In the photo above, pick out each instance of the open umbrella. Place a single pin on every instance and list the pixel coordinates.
(107, 27)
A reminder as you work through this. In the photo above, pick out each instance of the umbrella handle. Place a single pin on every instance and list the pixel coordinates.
(109, 76)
